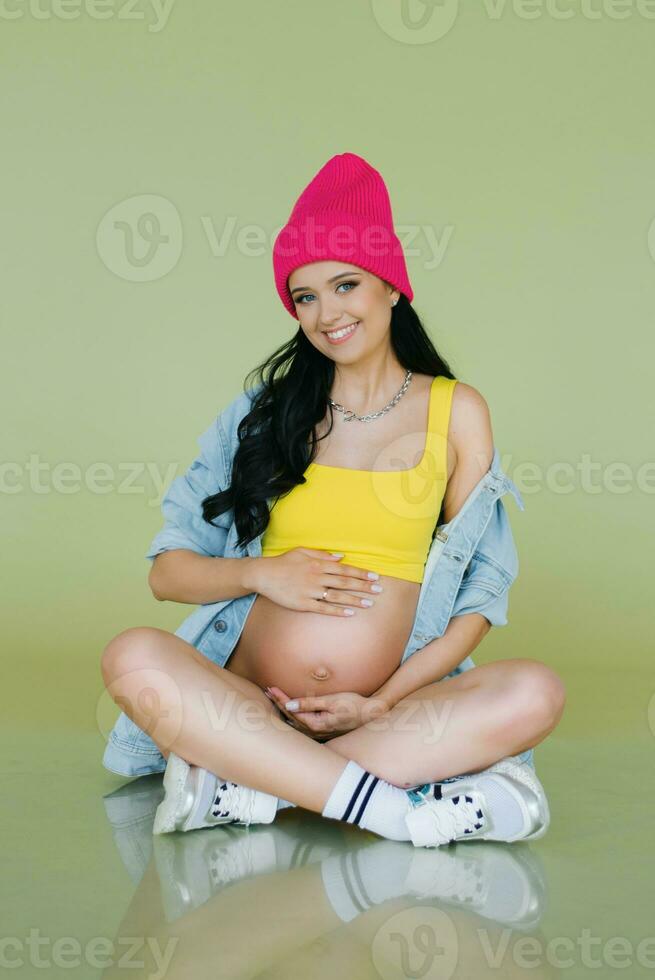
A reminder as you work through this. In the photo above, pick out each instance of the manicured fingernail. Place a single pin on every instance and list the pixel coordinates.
(292, 705)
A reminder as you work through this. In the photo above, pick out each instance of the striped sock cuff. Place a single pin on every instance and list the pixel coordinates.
(344, 886)
(350, 794)
(359, 799)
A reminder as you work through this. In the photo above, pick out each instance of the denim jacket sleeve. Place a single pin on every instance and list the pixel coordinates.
(184, 525)
(492, 569)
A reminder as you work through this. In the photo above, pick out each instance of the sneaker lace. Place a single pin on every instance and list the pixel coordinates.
(226, 801)
(456, 816)
(464, 884)
(455, 880)
(226, 864)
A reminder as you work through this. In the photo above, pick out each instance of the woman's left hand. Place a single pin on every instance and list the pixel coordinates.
(329, 714)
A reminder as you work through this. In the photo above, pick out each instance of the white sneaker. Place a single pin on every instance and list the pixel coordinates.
(193, 868)
(131, 810)
(504, 884)
(197, 798)
(462, 813)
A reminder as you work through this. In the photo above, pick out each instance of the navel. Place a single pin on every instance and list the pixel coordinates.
(321, 673)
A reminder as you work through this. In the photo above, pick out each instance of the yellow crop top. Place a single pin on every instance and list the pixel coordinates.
(382, 520)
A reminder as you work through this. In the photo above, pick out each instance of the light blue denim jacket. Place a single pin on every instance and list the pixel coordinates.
(470, 567)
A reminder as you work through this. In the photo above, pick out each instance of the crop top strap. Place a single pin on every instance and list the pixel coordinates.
(441, 397)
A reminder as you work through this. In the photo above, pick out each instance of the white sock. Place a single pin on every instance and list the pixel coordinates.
(361, 798)
(379, 806)
(356, 880)
(295, 851)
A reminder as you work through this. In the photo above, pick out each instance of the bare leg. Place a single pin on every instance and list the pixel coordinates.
(226, 724)
(215, 720)
(458, 725)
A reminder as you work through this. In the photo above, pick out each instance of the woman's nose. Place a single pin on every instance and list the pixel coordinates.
(332, 317)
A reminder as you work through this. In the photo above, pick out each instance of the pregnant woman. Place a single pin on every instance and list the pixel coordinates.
(356, 442)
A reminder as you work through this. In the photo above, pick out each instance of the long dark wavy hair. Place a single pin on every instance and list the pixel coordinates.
(277, 438)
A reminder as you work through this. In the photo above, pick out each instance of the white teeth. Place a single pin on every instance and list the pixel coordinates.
(337, 334)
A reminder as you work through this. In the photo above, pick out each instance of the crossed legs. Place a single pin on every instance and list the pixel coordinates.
(226, 724)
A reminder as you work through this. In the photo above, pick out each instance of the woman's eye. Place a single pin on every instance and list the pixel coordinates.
(305, 295)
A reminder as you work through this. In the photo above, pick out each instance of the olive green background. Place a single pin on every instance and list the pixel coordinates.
(524, 143)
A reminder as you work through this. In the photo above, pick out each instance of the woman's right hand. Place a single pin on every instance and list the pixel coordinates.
(298, 578)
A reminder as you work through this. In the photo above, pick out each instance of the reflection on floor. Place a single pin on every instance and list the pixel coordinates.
(305, 896)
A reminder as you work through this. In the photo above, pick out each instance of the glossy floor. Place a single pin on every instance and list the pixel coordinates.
(89, 892)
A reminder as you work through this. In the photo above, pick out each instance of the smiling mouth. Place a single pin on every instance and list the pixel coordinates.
(342, 332)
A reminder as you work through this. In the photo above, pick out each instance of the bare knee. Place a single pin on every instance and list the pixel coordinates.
(537, 694)
(388, 770)
(134, 647)
(385, 765)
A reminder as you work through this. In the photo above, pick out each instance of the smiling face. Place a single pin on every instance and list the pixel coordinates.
(332, 296)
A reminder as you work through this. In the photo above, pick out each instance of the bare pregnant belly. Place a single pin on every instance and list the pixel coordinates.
(307, 653)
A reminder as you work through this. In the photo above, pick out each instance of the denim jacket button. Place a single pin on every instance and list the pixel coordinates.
(220, 625)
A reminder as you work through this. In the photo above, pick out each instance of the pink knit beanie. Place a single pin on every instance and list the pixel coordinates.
(344, 213)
